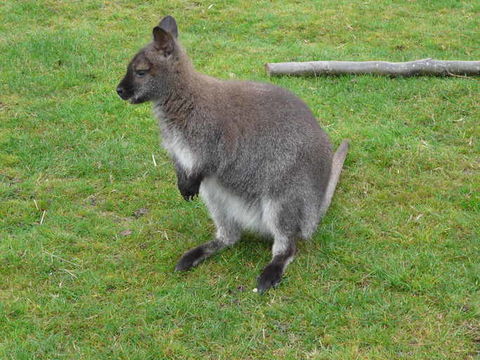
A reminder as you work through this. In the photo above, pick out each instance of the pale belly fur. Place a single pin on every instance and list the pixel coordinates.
(259, 216)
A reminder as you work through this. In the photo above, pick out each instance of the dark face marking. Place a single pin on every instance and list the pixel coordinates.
(139, 73)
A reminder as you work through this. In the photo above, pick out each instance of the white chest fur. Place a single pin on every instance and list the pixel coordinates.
(174, 142)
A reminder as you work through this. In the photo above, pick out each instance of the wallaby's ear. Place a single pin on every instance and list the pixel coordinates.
(163, 41)
(169, 24)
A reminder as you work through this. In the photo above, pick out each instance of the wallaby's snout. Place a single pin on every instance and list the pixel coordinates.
(122, 93)
(135, 84)
(126, 87)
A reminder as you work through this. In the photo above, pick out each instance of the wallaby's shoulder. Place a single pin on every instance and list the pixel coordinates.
(254, 88)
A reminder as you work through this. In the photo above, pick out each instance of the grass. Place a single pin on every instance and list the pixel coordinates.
(393, 271)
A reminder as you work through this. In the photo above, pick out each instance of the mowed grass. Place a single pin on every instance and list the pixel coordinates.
(393, 271)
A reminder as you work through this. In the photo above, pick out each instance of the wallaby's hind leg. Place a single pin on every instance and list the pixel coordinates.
(228, 233)
(283, 253)
(282, 221)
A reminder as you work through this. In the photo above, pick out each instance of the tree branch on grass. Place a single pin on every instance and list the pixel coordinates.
(425, 67)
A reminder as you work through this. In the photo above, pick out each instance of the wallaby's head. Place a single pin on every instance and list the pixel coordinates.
(156, 68)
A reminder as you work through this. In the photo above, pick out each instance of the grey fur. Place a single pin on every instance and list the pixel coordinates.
(254, 152)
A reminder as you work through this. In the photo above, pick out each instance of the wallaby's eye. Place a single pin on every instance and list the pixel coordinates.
(141, 73)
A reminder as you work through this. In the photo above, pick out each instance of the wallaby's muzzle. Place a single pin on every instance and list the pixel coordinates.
(124, 92)
(121, 93)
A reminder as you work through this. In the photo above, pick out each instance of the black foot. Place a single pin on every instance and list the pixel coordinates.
(270, 277)
(190, 259)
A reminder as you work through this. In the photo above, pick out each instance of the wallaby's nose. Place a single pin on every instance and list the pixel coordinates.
(123, 93)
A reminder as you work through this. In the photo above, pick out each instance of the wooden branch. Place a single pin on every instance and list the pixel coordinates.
(426, 67)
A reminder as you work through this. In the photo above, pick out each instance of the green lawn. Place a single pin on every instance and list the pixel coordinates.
(393, 272)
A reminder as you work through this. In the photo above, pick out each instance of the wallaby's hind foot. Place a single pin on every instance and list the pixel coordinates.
(273, 272)
(270, 277)
(196, 255)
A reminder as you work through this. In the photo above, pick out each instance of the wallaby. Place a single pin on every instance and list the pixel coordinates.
(254, 152)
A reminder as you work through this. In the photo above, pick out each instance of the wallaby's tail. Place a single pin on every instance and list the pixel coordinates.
(337, 164)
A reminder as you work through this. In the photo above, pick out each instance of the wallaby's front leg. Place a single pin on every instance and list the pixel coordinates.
(188, 184)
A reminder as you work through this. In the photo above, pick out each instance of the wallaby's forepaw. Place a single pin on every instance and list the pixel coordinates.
(188, 193)
(189, 188)
(270, 277)
(190, 259)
